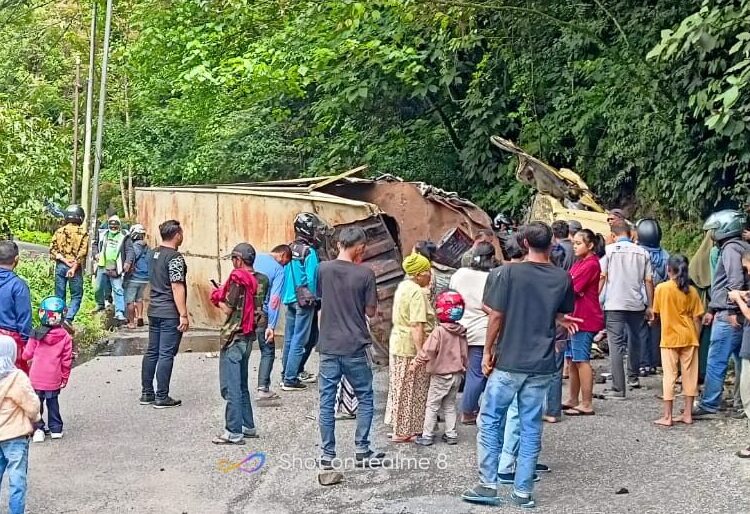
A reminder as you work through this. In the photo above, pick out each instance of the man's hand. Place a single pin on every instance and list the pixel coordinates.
(126, 267)
(569, 323)
(732, 319)
(746, 235)
(738, 296)
(184, 324)
(488, 364)
(62, 385)
(650, 315)
(708, 318)
(270, 336)
(72, 271)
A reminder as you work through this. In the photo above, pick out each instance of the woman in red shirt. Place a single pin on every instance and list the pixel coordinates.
(585, 274)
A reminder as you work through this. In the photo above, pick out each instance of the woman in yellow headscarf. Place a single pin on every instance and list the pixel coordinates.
(413, 320)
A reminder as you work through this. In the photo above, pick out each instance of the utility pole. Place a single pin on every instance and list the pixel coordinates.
(76, 90)
(100, 130)
(86, 172)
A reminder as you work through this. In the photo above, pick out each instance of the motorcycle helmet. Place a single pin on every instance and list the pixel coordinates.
(52, 311)
(310, 227)
(137, 232)
(74, 214)
(649, 232)
(449, 307)
(725, 224)
(500, 220)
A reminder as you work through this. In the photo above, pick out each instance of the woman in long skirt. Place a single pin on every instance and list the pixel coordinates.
(413, 319)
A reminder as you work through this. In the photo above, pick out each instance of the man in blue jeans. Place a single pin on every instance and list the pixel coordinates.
(167, 316)
(726, 332)
(69, 248)
(240, 300)
(272, 266)
(348, 295)
(525, 302)
(300, 295)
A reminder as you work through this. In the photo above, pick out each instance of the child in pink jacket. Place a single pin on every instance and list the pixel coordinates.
(50, 350)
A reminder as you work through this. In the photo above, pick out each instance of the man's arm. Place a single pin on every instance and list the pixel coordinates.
(311, 271)
(372, 296)
(83, 250)
(23, 310)
(179, 290)
(274, 300)
(650, 297)
(495, 325)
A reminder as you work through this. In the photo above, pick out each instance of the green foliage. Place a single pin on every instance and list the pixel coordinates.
(39, 275)
(35, 237)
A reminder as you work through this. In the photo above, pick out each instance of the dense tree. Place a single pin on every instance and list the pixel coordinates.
(647, 100)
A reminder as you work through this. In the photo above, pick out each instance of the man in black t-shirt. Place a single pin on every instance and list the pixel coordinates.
(526, 301)
(167, 316)
(348, 296)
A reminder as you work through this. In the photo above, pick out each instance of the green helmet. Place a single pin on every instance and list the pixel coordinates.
(725, 224)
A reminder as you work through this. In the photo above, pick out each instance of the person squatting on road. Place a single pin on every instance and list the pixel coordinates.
(413, 321)
(167, 316)
(680, 310)
(272, 266)
(526, 301)
(726, 332)
(15, 302)
(445, 355)
(68, 250)
(300, 296)
(19, 408)
(348, 294)
(237, 300)
(50, 350)
(469, 283)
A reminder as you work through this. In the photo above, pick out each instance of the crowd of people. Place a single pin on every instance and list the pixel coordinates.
(504, 331)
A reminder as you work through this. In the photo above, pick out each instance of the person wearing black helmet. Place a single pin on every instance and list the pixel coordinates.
(726, 331)
(69, 248)
(300, 296)
(649, 238)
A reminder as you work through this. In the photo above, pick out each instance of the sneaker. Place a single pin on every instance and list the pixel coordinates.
(369, 459)
(424, 441)
(325, 463)
(56, 435)
(167, 403)
(634, 383)
(700, 412)
(119, 316)
(526, 502)
(147, 399)
(643, 372)
(509, 478)
(343, 416)
(482, 495)
(294, 386)
(543, 468)
(307, 378)
(267, 395)
(449, 440)
(38, 436)
(737, 414)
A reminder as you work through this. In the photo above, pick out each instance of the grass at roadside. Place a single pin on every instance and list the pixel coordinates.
(39, 274)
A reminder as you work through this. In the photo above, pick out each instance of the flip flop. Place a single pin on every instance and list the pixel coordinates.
(565, 406)
(573, 412)
(744, 453)
(403, 439)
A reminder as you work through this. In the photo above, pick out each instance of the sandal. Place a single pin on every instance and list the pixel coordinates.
(744, 453)
(403, 439)
(223, 440)
(573, 412)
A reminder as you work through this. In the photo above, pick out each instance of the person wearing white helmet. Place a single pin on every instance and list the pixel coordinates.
(136, 279)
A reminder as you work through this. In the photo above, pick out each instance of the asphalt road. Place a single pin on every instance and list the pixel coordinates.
(120, 457)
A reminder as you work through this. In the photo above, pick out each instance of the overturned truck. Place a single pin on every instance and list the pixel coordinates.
(394, 214)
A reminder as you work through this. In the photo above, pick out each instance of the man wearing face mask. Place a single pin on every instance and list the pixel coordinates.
(111, 266)
(348, 296)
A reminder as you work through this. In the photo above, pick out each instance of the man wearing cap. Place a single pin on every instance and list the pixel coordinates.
(111, 266)
(237, 298)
